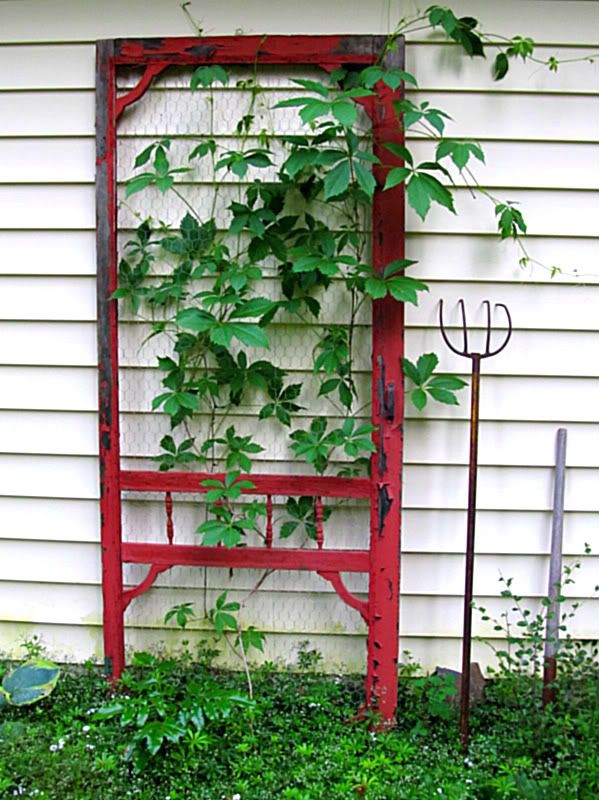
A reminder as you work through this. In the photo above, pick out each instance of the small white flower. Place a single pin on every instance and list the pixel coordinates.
(85, 728)
(236, 797)
(60, 744)
(90, 747)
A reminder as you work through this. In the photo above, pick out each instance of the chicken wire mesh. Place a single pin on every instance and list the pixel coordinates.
(288, 602)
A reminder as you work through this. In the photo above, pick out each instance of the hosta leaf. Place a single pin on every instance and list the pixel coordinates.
(30, 682)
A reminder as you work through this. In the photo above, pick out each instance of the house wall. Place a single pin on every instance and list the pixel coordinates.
(540, 135)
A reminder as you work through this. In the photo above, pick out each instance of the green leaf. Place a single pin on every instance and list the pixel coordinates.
(376, 288)
(396, 176)
(138, 183)
(443, 395)
(30, 682)
(426, 365)
(256, 307)
(365, 179)
(206, 75)
(419, 196)
(195, 320)
(143, 157)
(314, 109)
(161, 163)
(398, 265)
(249, 334)
(418, 397)
(346, 112)
(400, 151)
(337, 180)
(313, 86)
(410, 371)
(501, 66)
(447, 382)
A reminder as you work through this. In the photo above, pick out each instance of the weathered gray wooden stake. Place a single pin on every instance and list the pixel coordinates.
(555, 570)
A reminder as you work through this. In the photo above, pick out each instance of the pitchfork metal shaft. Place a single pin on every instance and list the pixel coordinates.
(476, 359)
(470, 530)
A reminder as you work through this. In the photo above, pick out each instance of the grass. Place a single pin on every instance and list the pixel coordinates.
(300, 741)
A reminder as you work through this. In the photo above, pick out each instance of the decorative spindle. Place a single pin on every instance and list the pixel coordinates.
(269, 520)
(319, 528)
(170, 528)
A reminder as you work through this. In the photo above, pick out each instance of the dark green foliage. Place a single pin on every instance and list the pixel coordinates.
(299, 739)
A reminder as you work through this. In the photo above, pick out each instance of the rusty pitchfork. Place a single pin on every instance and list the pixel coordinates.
(476, 358)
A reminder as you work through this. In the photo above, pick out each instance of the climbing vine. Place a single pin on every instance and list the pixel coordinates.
(295, 235)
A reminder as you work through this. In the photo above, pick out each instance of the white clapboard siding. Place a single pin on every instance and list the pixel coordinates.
(573, 21)
(540, 133)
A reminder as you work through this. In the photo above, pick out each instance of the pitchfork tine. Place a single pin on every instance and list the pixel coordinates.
(488, 342)
(509, 331)
(465, 324)
(444, 334)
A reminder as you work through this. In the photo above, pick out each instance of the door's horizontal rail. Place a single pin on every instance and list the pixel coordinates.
(162, 555)
(280, 485)
(335, 49)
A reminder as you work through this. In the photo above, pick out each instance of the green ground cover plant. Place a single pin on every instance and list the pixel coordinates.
(180, 730)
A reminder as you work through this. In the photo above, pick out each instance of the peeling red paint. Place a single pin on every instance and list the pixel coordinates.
(381, 561)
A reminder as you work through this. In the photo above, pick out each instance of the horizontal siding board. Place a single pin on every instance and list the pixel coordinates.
(443, 66)
(461, 257)
(277, 612)
(80, 22)
(507, 164)
(572, 213)
(532, 307)
(45, 432)
(49, 388)
(569, 118)
(423, 575)
(72, 298)
(73, 477)
(423, 531)
(437, 66)
(430, 486)
(47, 113)
(49, 519)
(501, 488)
(47, 252)
(485, 259)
